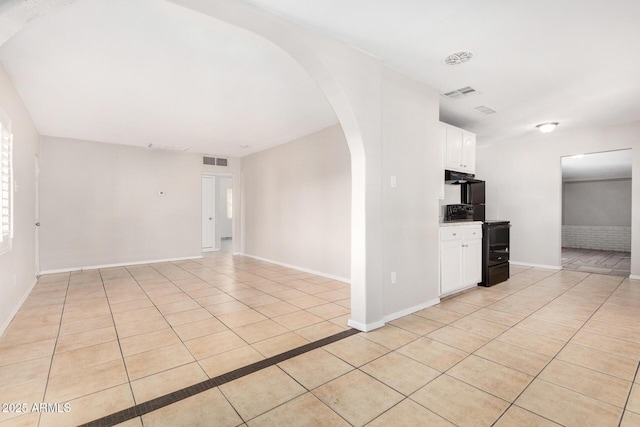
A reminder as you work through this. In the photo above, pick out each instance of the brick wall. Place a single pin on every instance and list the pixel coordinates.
(608, 238)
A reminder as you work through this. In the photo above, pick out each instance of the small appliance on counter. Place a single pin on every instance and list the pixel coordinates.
(459, 212)
(495, 252)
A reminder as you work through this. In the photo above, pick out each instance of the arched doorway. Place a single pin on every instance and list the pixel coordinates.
(365, 217)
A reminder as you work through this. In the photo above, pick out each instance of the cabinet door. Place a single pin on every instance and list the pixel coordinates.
(469, 152)
(450, 266)
(472, 262)
(453, 159)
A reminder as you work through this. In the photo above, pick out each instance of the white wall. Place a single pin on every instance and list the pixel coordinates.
(297, 199)
(524, 184)
(99, 204)
(17, 267)
(602, 203)
(410, 211)
(601, 237)
(226, 223)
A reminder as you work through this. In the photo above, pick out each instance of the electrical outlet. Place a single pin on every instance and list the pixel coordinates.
(394, 278)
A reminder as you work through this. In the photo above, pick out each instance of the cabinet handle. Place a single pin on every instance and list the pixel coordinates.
(454, 234)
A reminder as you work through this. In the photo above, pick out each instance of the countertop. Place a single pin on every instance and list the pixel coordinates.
(459, 223)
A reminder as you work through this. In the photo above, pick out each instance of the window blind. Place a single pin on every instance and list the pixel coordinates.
(6, 183)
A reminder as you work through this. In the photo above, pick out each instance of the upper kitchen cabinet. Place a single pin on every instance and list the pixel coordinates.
(460, 149)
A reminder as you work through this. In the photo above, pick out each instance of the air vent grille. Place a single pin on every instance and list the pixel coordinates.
(461, 93)
(215, 161)
(485, 110)
(458, 58)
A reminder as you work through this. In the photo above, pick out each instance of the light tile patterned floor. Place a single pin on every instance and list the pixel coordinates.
(546, 348)
(127, 335)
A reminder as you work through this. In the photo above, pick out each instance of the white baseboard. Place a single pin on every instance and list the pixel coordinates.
(296, 267)
(411, 310)
(527, 264)
(124, 264)
(365, 327)
(211, 250)
(634, 277)
(368, 327)
(6, 323)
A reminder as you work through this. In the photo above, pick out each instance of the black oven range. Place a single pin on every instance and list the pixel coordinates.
(495, 252)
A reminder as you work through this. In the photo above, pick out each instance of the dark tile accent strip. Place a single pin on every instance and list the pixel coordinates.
(168, 399)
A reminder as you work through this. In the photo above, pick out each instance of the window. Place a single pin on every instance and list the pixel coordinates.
(6, 183)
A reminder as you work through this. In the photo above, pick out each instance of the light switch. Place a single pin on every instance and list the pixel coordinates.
(394, 181)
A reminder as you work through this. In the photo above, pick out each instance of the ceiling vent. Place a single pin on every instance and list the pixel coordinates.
(215, 161)
(485, 110)
(458, 58)
(461, 93)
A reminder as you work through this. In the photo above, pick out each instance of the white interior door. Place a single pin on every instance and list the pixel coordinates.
(208, 213)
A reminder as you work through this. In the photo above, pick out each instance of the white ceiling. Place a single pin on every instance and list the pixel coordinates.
(572, 61)
(597, 166)
(147, 71)
(144, 71)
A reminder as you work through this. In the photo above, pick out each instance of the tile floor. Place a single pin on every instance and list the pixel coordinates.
(545, 348)
(597, 261)
(128, 335)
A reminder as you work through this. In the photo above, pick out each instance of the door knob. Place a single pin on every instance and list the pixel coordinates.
(210, 218)
(37, 224)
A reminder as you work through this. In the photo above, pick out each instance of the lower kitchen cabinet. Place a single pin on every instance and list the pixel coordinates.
(460, 257)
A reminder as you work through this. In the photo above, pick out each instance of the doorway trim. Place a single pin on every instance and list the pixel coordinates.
(216, 209)
(562, 199)
(209, 204)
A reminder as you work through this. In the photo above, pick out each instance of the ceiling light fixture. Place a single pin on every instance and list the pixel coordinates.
(547, 127)
(458, 58)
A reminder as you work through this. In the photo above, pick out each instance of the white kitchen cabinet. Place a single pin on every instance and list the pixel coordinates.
(469, 152)
(460, 257)
(460, 149)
